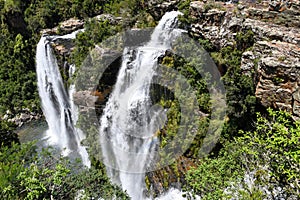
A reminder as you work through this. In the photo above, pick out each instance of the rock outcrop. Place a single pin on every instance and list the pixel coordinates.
(278, 73)
(65, 27)
(24, 116)
(274, 60)
(158, 8)
(170, 176)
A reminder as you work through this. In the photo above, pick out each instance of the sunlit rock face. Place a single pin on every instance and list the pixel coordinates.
(274, 60)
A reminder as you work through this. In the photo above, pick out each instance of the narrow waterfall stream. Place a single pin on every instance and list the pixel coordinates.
(57, 106)
(128, 124)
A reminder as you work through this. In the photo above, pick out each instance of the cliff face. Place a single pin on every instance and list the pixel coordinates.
(274, 59)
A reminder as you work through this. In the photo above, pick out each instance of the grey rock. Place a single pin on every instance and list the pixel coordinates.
(247, 63)
(274, 60)
(84, 98)
(158, 8)
(65, 27)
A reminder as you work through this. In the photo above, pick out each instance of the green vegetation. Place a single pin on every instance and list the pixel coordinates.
(240, 89)
(269, 155)
(26, 174)
(95, 32)
(188, 69)
(7, 136)
(48, 13)
(212, 5)
(17, 89)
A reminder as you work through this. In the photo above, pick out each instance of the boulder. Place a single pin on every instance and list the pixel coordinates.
(110, 18)
(65, 27)
(24, 116)
(247, 64)
(85, 98)
(283, 5)
(158, 8)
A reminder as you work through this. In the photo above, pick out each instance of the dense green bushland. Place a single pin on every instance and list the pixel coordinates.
(269, 155)
(7, 135)
(26, 174)
(240, 88)
(189, 70)
(48, 13)
(95, 32)
(17, 72)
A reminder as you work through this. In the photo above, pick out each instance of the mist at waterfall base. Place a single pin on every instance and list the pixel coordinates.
(129, 118)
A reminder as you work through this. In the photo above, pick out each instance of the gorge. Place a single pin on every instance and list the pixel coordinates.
(130, 99)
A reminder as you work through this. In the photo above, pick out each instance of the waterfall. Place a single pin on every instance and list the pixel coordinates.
(129, 120)
(57, 104)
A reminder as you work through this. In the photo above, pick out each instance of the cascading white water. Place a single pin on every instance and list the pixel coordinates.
(128, 123)
(58, 107)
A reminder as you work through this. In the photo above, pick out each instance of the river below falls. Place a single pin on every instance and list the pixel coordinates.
(35, 130)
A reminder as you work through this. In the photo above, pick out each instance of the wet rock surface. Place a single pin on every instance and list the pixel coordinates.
(171, 176)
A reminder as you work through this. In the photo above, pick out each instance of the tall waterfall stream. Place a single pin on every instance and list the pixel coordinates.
(58, 107)
(129, 120)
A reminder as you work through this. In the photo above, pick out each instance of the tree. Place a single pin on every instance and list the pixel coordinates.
(7, 136)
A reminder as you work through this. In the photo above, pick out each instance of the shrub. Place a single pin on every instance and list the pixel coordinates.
(7, 136)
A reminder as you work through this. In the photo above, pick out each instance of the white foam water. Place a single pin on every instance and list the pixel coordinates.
(57, 103)
(128, 127)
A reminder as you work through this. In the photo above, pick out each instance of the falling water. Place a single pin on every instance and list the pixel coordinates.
(58, 107)
(129, 121)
